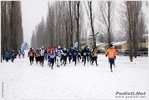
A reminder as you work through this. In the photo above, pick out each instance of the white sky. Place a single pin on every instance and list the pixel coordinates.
(32, 13)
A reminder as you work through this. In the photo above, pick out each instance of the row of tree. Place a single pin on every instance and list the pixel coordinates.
(71, 21)
(133, 24)
(11, 25)
(68, 22)
(61, 26)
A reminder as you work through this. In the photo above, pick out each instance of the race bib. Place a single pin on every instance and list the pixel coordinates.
(65, 54)
(95, 55)
(111, 54)
(31, 54)
(75, 53)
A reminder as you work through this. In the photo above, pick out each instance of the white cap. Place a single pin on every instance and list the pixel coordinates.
(59, 47)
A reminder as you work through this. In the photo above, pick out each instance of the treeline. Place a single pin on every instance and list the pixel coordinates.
(11, 25)
(71, 21)
(62, 26)
(133, 24)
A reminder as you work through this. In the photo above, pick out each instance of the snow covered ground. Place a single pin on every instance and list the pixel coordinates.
(20, 80)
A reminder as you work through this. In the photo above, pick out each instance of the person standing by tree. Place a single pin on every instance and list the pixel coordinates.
(111, 53)
(7, 55)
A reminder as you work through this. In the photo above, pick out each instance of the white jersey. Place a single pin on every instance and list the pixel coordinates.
(42, 52)
(59, 52)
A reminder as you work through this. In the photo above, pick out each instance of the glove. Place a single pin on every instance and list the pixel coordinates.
(106, 55)
(114, 57)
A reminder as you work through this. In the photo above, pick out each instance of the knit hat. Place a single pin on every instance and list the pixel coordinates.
(111, 45)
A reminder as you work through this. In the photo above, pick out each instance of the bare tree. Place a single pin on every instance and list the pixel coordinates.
(90, 16)
(71, 23)
(77, 19)
(105, 17)
(146, 2)
(83, 31)
(62, 24)
(33, 41)
(130, 22)
(12, 31)
(141, 27)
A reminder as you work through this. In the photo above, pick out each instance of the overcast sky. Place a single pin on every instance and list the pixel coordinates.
(32, 13)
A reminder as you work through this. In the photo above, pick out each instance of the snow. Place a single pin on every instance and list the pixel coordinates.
(99, 44)
(145, 35)
(119, 43)
(20, 80)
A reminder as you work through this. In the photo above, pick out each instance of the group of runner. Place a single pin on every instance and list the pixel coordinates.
(61, 56)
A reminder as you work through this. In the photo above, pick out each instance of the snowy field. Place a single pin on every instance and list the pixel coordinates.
(20, 80)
